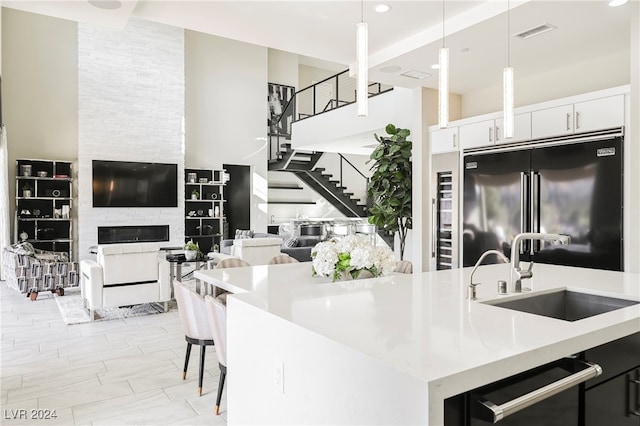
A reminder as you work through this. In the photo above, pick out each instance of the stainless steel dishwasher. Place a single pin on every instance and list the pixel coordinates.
(548, 395)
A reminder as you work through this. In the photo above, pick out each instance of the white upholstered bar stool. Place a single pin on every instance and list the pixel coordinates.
(217, 315)
(233, 262)
(404, 267)
(197, 331)
(282, 258)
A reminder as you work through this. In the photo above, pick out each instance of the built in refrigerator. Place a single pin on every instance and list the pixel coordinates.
(571, 187)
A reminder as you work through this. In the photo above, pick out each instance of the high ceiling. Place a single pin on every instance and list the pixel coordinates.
(405, 38)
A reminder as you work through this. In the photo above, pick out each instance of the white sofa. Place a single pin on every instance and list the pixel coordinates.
(256, 251)
(125, 274)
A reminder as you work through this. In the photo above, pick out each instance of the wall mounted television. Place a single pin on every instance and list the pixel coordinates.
(132, 184)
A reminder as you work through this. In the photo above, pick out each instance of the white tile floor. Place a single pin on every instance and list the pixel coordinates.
(120, 372)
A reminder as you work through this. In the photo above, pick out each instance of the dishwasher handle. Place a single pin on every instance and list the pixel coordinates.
(494, 413)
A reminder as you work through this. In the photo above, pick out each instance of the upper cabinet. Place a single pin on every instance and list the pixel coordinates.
(491, 132)
(444, 140)
(584, 116)
(588, 112)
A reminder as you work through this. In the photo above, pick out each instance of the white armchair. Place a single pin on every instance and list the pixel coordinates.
(256, 251)
(125, 274)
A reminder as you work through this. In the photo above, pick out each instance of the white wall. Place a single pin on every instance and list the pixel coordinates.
(632, 154)
(599, 73)
(131, 108)
(226, 113)
(39, 90)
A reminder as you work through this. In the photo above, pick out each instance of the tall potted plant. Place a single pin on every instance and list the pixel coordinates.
(390, 184)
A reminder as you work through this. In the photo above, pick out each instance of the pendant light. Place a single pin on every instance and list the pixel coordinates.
(443, 81)
(362, 77)
(507, 86)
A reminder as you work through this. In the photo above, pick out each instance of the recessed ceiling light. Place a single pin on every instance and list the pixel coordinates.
(106, 4)
(391, 68)
(381, 8)
(616, 3)
(418, 75)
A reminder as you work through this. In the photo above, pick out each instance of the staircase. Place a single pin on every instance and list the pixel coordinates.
(303, 165)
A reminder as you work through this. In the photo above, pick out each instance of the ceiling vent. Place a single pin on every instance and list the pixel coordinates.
(418, 75)
(532, 32)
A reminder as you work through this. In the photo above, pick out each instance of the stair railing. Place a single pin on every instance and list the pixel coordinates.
(331, 93)
(349, 163)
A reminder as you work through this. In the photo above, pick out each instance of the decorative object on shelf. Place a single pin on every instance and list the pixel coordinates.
(210, 212)
(191, 250)
(26, 190)
(191, 177)
(216, 211)
(24, 236)
(65, 211)
(351, 256)
(57, 213)
(56, 193)
(42, 173)
(216, 248)
(200, 212)
(214, 196)
(203, 180)
(391, 192)
(195, 194)
(25, 170)
(36, 212)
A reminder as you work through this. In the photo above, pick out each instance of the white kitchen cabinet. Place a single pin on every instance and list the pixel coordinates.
(478, 134)
(491, 132)
(584, 116)
(599, 114)
(552, 122)
(444, 140)
(521, 129)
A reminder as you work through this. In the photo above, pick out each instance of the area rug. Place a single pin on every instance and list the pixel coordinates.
(73, 311)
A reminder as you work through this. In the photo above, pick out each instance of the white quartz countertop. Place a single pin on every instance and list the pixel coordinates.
(422, 324)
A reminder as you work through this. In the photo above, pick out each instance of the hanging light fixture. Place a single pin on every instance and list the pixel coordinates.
(362, 77)
(507, 86)
(443, 81)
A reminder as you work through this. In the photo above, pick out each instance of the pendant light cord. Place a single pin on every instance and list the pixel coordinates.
(508, 34)
(443, 23)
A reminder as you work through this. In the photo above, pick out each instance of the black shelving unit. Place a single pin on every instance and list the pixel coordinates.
(204, 207)
(44, 203)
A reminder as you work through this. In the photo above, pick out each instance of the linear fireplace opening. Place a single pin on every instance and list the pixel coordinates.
(132, 234)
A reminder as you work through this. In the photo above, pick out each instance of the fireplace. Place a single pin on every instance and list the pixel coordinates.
(132, 234)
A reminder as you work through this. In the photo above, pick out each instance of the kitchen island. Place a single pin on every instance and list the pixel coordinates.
(390, 350)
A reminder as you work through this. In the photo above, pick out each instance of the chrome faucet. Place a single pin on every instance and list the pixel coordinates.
(471, 289)
(517, 274)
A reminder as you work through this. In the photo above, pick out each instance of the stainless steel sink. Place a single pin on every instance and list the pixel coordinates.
(565, 304)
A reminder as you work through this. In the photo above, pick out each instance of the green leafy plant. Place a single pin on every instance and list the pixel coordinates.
(27, 187)
(390, 184)
(191, 246)
(195, 193)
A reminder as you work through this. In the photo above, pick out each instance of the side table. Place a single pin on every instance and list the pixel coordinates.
(177, 262)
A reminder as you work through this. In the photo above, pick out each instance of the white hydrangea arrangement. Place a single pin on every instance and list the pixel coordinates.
(351, 255)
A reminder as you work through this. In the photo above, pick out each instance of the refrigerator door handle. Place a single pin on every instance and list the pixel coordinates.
(524, 195)
(534, 217)
(434, 227)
